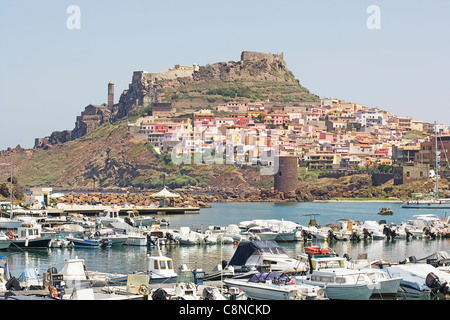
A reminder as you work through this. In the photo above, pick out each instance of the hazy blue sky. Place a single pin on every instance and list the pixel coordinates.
(49, 73)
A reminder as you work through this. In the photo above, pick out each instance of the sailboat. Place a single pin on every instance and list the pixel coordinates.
(435, 203)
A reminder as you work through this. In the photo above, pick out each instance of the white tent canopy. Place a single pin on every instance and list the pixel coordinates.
(165, 193)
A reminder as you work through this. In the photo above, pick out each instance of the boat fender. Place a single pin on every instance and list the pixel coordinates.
(53, 292)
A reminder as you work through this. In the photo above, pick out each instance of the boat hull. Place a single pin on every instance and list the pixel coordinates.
(353, 292)
(5, 244)
(268, 291)
(41, 243)
(87, 243)
(136, 241)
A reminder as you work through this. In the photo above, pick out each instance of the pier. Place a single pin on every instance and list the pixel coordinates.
(92, 210)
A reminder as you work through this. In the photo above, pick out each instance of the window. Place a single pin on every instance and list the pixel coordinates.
(162, 264)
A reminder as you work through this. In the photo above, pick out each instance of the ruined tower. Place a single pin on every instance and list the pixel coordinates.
(286, 180)
(110, 95)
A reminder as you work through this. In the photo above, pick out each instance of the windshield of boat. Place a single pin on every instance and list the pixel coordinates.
(273, 250)
(259, 230)
(328, 264)
(265, 276)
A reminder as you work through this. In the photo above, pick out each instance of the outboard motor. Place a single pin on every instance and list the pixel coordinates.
(367, 234)
(159, 294)
(331, 235)
(432, 282)
(354, 236)
(129, 221)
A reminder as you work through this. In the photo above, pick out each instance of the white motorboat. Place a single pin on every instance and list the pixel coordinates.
(253, 254)
(110, 234)
(374, 229)
(187, 237)
(387, 285)
(67, 230)
(275, 286)
(264, 234)
(136, 239)
(59, 241)
(329, 272)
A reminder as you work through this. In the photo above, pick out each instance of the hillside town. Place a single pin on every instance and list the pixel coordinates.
(331, 135)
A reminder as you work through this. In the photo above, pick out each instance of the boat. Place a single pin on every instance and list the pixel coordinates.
(276, 286)
(387, 285)
(108, 216)
(136, 220)
(60, 241)
(386, 212)
(372, 229)
(5, 241)
(136, 239)
(328, 271)
(262, 254)
(7, 221)
(159, 269)
(186, 236)
(69, 229)
(436, 202)
(89, 241)
(29, 237)
(110, 234)
(264, 234)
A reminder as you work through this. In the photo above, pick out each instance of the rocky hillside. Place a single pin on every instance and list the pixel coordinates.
(256, 76)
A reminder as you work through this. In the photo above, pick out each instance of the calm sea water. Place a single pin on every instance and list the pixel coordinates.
(129, 259)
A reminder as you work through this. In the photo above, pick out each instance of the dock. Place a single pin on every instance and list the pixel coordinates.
(93, 210)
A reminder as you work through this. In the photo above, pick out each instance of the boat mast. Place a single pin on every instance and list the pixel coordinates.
(436, 190)
(11, 192)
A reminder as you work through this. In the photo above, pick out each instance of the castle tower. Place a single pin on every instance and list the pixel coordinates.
(286, 180)
(110, 95)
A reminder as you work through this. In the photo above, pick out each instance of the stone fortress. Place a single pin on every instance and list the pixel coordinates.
(145, 88)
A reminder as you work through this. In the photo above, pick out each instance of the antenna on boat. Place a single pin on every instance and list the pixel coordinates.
(436, 188)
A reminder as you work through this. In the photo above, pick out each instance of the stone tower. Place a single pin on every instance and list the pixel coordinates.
(286, 180)
(110, 95)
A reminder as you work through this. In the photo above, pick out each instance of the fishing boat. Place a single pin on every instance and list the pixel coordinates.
(29, 237)
(276, 286)
(259, 254)
(159, 269)
(328, 271)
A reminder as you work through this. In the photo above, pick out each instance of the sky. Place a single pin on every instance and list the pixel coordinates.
(395, 58)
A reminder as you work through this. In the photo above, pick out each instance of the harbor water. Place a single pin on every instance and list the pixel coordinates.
(125, 259)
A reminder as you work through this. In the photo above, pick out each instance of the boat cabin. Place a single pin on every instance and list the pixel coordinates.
(160, 265)
(29, 231)
(109, 213)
